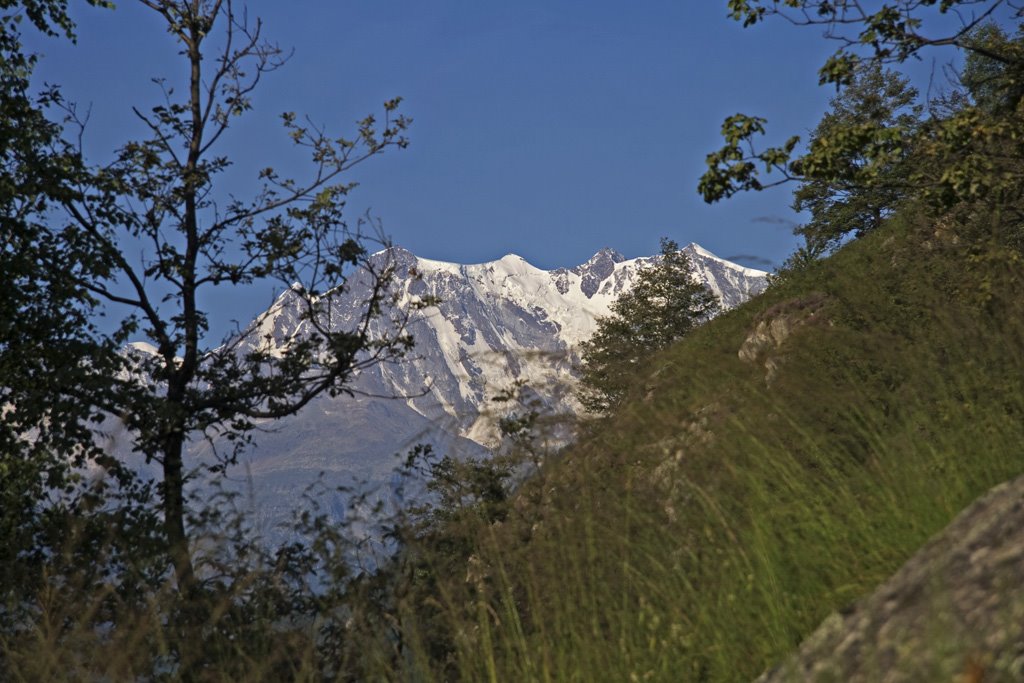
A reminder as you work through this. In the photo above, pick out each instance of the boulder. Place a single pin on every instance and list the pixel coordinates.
(953, 612)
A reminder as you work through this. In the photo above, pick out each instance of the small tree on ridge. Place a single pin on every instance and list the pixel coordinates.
(664, 305)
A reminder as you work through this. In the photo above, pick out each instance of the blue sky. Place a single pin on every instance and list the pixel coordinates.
(547, 128)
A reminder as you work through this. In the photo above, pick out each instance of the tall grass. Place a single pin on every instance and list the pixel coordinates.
(700, 534)
(703, 532)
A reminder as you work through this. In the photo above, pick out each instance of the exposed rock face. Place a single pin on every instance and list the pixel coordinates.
(953, 612)
(775, 326)
(597, 269)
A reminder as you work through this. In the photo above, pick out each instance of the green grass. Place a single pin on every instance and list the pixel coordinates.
(707, 528)
(699, 534)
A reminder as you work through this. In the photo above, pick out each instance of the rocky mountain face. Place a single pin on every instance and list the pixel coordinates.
(496, 324)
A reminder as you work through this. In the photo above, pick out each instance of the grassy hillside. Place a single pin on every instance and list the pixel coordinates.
(705, 529)
(775, 466)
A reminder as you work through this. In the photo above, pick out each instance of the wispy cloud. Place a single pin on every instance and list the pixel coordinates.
(751, 260)
(775, 220)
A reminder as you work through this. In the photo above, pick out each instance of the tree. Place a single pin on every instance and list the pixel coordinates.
(889, 32)
(55, 366)
(162, 192)
(665, 303)
(861, 187)
(959, 157)
(995, 86)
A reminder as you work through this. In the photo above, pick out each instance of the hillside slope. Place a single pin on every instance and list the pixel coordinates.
(775, 466)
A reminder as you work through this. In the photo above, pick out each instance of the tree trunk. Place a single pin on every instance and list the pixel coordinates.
(174, 512)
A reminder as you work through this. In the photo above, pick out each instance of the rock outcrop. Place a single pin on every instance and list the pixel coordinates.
(953, 612)
(774, 327)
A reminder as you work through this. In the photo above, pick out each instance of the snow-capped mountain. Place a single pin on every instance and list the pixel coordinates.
(497, 323)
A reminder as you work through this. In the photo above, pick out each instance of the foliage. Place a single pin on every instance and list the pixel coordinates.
(302, 611)
(891, 31)
(58, 372)
(95, 560)
(439, 532)
(803, 258)
(858, 188)
(960, 156)
(665, 303)
(162, 193)
(995, 86)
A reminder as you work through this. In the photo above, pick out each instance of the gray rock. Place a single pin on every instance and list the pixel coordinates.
(597, 269)
(953, 612)
(763, 343)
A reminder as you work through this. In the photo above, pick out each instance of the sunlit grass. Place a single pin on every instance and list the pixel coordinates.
(700, 534)
(663, 551)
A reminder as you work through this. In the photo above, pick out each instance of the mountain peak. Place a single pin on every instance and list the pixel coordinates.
(697, 250)
(400, 256)
(605, 254)
(494, 324)
(596, 269)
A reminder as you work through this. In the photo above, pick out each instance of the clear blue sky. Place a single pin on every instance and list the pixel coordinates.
(547, 128)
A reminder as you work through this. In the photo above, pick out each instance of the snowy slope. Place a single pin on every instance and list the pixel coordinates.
(497, 323)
